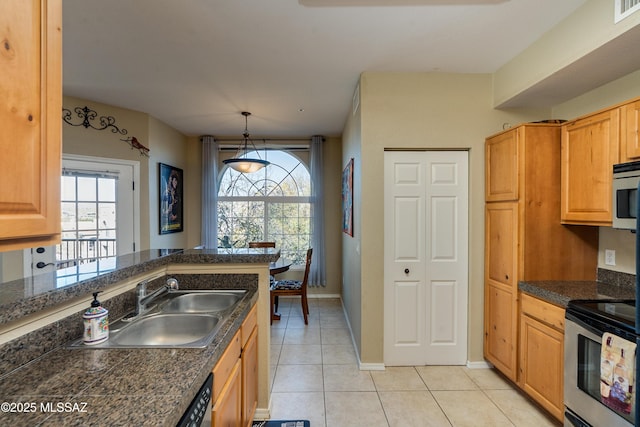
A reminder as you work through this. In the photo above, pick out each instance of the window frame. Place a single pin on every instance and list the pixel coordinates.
(273, 199)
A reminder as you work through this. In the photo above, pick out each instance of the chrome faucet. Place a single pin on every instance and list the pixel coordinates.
(143, 299)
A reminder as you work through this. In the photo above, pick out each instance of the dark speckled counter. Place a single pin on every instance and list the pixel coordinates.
(44, 383)
(561, 292)
(114, 387)
(23, 297)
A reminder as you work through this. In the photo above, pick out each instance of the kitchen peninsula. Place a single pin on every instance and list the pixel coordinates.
(129, 386)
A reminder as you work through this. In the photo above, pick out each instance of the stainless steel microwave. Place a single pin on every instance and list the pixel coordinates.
(626, 177)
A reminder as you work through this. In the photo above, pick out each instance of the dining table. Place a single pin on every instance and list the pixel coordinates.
(280, 266)
(277, 267)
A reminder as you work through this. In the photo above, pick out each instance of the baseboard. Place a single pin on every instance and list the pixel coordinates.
(371, 366)
(362, 366)
(262, 414)
(479, 365)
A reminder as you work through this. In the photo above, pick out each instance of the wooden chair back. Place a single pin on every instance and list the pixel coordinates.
(262, 244)
(301, 290)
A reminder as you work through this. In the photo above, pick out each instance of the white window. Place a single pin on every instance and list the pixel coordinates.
(99, 219)
(272, 204)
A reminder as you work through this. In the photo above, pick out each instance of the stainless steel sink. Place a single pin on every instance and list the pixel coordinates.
(178, 319)
(200, 302)
(167, 330)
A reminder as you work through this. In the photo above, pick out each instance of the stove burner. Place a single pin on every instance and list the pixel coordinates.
(618, 313)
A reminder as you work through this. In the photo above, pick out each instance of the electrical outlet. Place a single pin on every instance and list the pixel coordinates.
(610, 257)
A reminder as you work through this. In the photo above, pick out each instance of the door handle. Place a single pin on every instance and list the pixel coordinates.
(43, 265)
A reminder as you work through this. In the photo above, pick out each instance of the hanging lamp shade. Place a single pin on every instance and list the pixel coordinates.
(240, 162)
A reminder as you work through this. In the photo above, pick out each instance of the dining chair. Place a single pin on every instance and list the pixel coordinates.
(293, 287)
(262, 244)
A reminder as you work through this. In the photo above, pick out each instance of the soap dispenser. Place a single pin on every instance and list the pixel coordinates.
(96, 323)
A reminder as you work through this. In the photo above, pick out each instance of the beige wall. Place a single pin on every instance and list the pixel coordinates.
(587, 29)
(623, 242)
(351, 255)
(165, 144)
(104, 143)
(414, 111)
(168, 146)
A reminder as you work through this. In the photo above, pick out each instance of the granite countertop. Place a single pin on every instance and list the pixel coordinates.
(22, 297)
(561, 292)
(107, 387)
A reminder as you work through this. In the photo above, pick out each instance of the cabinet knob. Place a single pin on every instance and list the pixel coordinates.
(506, 277)
(406, 271)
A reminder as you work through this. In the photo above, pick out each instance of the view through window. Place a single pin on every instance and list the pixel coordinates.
(98, 218)
(88, 220)
(273, 204)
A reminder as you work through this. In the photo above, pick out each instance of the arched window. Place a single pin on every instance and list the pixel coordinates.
(273, 204)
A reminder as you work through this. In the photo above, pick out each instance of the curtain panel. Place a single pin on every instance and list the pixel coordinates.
(209, 235)
(317, 275)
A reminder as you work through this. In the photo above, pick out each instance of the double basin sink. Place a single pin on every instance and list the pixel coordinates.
(178, 319)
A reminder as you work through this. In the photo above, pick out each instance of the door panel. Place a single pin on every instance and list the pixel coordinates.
(408, 215)
(426, 211)
(443, 313)
(406, 304)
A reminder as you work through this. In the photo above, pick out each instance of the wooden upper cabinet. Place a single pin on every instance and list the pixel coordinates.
(590, 148)
(30, 122)
(630, 131)
(501, 177)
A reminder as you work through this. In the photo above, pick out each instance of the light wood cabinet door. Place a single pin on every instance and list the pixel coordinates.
(501, 256)
(542, 364)
(590, 148)
(227, 410)
(225, 365)
(501, 323)
(501, 243)
(250, 378)
(630, 131)
(501, 160)
(30, 122)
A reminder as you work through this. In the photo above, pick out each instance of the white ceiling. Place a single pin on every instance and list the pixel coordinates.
(294, 64)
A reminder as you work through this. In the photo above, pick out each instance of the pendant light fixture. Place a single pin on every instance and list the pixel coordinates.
(240, 162)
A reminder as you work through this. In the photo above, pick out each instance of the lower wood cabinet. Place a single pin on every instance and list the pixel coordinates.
(542, 353)
(227, 407)
(249, 367)
(500, 339)
(235, 378)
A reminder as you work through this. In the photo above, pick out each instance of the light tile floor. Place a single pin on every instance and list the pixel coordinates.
(315, 376)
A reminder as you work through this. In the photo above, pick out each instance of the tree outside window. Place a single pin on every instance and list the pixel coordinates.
(273, 204)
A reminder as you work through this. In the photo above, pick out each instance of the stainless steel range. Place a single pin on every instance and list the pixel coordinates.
(589, 400)
(601, 336)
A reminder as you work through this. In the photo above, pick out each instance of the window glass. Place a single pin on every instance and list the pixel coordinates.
(272, 204)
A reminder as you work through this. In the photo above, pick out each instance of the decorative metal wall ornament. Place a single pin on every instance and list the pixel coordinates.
(133, 142)
(87, 115)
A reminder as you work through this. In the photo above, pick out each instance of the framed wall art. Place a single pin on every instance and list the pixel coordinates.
(347, 199)
(171, 199)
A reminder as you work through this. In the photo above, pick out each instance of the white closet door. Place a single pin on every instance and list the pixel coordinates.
(426, 257)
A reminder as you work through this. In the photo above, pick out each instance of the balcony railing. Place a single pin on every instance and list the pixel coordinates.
(72, 252)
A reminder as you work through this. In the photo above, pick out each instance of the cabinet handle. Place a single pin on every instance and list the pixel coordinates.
(506, 277)
(406, 271)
